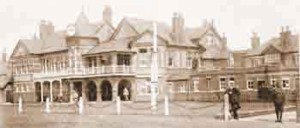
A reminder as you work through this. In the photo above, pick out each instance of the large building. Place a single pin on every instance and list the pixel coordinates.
(264, 65)
(99, 61)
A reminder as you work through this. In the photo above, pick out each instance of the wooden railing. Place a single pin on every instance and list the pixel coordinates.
(86, 71)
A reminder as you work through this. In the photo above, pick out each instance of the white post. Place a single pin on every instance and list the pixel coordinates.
(154, 69)
(80, 105)
(118, 104)
(226, 107)
(20, 108)
(47, 105)
(51, 91)
(166, 105)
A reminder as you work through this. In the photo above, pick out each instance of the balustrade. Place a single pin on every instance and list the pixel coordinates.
(102, 70)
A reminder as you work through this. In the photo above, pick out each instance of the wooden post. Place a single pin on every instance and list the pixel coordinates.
(298, 98)
(226, 107)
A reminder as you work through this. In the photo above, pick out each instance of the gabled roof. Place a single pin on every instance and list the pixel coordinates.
(277, 44)
(111, 46)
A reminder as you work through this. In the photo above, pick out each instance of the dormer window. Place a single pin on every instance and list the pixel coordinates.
(210, 40)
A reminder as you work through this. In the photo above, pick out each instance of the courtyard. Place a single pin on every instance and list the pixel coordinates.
(134, 115)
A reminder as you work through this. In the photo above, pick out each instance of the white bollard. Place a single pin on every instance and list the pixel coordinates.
(80, 106)
(47, 105)
(118, 105)
(226, 107)
(20, 104)
(166, 105)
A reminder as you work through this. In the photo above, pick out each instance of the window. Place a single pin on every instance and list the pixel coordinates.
(222, 83)
(189, 60)
(210, 40)
(171, 59)
(195, 85)
(250, 84)
(272, 58)
(285, 83)
(144, 58)
(273, 82)
(123, 59)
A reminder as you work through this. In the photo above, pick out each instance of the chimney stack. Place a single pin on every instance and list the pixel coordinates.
(46, 29)
(255, 41)
(4, 55)
(178, 23)
(107, 15)
(224, 38)
(285, 36)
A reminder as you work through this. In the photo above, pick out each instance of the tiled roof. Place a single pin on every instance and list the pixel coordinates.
(120, 45)
(55, 42)
(276, 43)
(3, 68)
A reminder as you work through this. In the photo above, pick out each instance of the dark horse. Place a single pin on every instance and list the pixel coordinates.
(278, 98)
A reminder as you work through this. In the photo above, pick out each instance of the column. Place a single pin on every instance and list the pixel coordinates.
(298, 98)
(71, 91)
(99, 92)
(114, 62)
(42, 92)
(133, 63)
(60, 88)
(51, 91)
(115, 90)
(46, 65)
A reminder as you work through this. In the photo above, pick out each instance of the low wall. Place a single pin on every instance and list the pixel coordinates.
(217, 96)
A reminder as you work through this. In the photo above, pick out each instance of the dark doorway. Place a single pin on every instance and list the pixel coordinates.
(91, 91)
(122, 87)
(38, 91)
(46, 90)
(78, 88)
(106, 91)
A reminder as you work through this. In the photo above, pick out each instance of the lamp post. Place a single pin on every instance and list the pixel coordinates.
(154, 69)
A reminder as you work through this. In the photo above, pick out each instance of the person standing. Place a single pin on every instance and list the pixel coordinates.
(278, 98)
(234, 96)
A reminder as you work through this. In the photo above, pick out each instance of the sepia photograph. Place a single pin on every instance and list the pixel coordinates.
(149, 64)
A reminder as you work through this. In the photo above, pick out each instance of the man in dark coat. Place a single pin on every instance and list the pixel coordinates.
(278, 98)
(234, 96)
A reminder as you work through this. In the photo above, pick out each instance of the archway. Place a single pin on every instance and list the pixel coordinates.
(106, 91)
(38, 91)
(123, 88)
(56, 90)
(91, 91)
(78, 88)
(46, 90)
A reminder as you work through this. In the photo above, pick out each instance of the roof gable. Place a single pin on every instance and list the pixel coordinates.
(270, 50)
(147, 38)
(124, 30)
(20, 50)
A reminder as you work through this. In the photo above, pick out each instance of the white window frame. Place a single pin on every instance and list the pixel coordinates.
(144, 58)
(220, 83)
(248, 81)
(195, 85)
(289, 83)
(272, 80)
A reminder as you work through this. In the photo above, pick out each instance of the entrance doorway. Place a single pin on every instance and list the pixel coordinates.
(91, 91)
(124, 90)
(106, 91)
(38, 91)
(78, 88)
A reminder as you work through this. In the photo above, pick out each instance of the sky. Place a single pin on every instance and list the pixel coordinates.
(236, 18)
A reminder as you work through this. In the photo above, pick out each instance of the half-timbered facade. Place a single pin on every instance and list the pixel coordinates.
(99, 61)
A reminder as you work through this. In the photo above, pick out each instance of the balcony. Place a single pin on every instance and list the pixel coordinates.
(88, 72)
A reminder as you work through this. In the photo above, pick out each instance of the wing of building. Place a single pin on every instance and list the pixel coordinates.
(98, 60)
(276, 61)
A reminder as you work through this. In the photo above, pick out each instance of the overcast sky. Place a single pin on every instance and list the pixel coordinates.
(237, 18)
